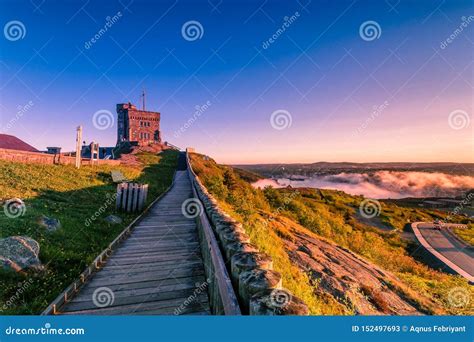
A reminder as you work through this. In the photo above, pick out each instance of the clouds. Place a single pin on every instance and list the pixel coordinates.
(386, 184)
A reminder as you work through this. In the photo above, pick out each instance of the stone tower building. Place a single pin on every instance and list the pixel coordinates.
(137, 126)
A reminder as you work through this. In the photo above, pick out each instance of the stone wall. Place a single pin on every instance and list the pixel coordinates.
(44, 158)
(258, 286)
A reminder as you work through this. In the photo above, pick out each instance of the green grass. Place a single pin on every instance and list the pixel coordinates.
(332, 215)
(467, 235)
(73, 196)
(243, 202)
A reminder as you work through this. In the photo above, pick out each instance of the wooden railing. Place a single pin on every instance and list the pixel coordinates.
(222, 298)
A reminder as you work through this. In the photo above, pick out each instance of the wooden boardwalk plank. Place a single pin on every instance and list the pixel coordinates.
(166, 307)
(180, 296)
(156, 269)
(144, 287)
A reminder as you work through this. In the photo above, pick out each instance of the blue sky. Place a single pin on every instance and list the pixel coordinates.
(405, 95)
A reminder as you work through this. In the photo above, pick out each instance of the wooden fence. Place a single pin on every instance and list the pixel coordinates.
(131, 197)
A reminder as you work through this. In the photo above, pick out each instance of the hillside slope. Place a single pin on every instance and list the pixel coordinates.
(80, 199)
(327, 256)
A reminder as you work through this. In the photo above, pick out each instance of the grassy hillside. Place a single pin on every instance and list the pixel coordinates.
(332, 215)
(74, 197)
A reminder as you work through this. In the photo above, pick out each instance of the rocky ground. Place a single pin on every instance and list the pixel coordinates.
(357, 283)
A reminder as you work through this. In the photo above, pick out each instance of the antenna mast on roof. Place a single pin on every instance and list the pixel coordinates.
(143, 98)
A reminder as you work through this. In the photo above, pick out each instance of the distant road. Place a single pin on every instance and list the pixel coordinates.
(454, 253)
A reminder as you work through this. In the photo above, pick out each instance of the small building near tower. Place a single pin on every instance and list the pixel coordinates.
(137, 126)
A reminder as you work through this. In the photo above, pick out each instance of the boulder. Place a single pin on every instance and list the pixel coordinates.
(51, 224)
(19, 252)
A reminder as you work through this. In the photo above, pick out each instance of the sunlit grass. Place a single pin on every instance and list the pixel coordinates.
(332, 215)
(72, 196)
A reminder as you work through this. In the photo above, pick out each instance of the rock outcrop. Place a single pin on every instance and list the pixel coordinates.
(357, 283)
(51, 224)
(18, 253)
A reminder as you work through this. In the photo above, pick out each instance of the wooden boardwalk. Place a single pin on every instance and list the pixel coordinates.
(158, 270)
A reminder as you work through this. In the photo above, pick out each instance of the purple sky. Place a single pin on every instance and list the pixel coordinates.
(322, 73)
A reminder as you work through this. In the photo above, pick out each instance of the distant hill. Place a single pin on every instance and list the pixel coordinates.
(328, 254)
(13, 143)
(268, 170)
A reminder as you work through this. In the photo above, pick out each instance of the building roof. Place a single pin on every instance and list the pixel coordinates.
(13, 143)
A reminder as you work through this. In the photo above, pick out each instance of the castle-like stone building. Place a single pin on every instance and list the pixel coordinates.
(137, 126)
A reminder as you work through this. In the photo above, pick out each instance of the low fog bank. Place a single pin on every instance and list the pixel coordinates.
(383, 184)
